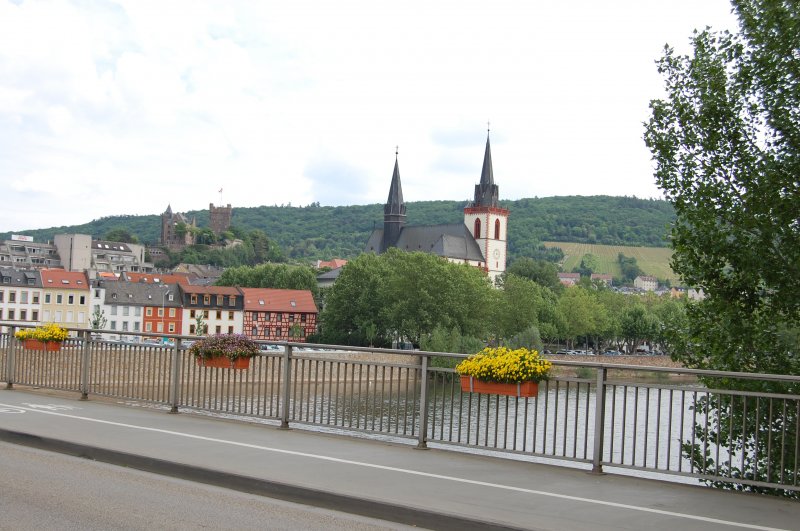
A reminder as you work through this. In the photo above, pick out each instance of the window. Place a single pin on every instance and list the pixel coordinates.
(70, 318)
(172, 328)
(191, 314)
(280, 317)
(47, 298)
(2, 295)
(303, 318)
(113, 310)
(193, 299)
(206, 300)
(205, 314)
(97, 294)
(81, 317)
(10, 315)
(112, 325)
(148, 327)
(477, 228)
(220, 300)
(219, 329)
(23, 297)
(35, 297)
(230, 316)
(136, 326)
(497, 229)
(59, 299)
(46, 316)
(219, 314)
(124, 326)
(35, 315)
(254, 331)
(126, 311)
(230, 329)
(149, 312)
(161, 312)
(70, 299)
(23, 315)
(82, 300)
(137, 311)
(232, 300)
(159, 327)
(12, 296)
(192, 329)
(172, 312)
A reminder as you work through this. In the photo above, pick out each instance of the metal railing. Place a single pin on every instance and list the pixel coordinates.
(655, 419)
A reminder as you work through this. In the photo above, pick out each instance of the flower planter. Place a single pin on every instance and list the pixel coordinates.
(35, 344)
(522, 389)
(224, 363)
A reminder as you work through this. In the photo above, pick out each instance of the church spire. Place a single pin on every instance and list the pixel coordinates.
(486, 193)
(394, 211)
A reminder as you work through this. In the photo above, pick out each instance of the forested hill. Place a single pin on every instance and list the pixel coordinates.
(321, 232)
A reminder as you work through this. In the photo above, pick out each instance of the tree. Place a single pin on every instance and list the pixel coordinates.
(540, 271)
(120, 235)
(98, 320)
(726, 142)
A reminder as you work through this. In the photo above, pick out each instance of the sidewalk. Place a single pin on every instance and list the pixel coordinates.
(435, 488)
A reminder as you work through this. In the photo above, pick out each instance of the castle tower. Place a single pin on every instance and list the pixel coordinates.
(170, 236)
(219, 218)
(486, 221)
(394, 211)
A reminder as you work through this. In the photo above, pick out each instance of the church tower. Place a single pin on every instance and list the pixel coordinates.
(394, 211)
(486, 221)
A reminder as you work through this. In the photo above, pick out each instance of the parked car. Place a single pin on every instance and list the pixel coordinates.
(612, 353)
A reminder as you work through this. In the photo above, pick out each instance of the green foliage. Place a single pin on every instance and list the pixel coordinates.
(630, 269)
(589, 264)
(279, 276)
(324, 232)
(120, 235)
(97, 320)
(726, 141)
(540, 271)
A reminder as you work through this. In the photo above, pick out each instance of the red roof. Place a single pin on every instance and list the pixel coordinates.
(155, 278)
(278, 300)
(62, 279)
(336, 263)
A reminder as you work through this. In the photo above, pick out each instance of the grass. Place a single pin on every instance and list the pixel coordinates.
(652, 260)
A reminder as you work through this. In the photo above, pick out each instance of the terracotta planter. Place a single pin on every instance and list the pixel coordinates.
(224, 363)
(35, 344)
(523, 389)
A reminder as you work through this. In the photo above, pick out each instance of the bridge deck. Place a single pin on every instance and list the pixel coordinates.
(436, 488)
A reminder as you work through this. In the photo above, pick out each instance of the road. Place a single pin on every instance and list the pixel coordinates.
(49, 491)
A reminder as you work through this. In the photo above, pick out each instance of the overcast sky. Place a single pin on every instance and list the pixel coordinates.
(125, 107)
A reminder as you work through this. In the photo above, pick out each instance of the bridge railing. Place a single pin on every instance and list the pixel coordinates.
(677, 422)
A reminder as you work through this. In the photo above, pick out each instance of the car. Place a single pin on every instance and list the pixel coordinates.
(562, 352)
(612, 353)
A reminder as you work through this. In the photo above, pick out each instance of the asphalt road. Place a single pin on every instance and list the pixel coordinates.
(43, 491)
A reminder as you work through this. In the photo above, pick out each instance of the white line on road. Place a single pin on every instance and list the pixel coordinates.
(409, 472)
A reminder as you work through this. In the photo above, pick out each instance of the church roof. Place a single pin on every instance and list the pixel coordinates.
(450, 241)
(486, 193)
(395, 204)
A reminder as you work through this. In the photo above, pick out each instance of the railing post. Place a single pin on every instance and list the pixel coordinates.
(10, 360)
(175, 377)
(287, 386)
(599, 421)
(87, 338)
(423, 406)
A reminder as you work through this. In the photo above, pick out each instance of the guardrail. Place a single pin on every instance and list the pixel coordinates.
(654, 419)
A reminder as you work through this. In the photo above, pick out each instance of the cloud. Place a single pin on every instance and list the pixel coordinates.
(336, 182)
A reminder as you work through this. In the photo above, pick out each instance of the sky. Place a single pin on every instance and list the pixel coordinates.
(125, 107)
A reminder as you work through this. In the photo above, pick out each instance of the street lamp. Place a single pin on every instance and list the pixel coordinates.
(163, 310)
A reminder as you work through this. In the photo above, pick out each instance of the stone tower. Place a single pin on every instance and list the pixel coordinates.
(219, 218)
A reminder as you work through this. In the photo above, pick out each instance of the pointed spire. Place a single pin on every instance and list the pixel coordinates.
(169, 209)
(395, 204)
(486, 193)
(394, 211)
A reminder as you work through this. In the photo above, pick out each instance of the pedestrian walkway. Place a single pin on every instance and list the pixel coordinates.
(436, 489)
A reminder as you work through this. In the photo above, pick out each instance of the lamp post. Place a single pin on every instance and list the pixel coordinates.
(164, 311)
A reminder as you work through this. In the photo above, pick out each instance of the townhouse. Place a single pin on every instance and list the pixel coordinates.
(211, 310)
(65, 298)
(279, 314)
(20, 295)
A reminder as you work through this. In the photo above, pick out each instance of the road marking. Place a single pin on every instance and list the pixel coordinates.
(50, 407)
(11, 409)
(407, 471)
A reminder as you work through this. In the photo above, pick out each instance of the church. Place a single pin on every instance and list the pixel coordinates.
(481, 240)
